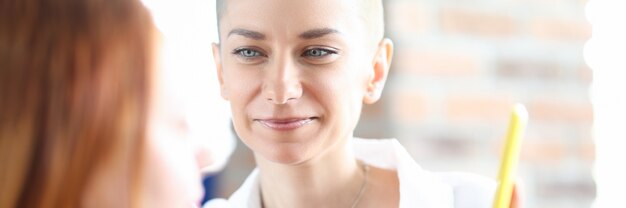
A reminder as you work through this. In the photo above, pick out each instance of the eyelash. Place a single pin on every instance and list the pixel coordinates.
(249, 53)
(240, 52)
(323, 52)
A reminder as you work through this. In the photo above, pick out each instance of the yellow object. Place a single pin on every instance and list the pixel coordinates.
(510, 158)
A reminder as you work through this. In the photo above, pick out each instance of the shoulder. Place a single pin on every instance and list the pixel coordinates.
(470, 190)
(217, 203)
(247, 195)
(423, 187)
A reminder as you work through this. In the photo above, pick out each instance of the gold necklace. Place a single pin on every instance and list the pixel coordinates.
(366, 169)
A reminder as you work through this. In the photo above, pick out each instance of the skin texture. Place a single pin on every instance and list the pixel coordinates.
(283, 80)
(311, 73)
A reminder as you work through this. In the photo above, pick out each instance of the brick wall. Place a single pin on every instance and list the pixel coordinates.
(459, 67)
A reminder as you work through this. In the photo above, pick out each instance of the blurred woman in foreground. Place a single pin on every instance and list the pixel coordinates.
(84, 121)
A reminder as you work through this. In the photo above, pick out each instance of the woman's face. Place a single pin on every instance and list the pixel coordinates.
(295, 73)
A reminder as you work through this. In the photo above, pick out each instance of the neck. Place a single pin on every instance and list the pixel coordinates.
(331, 179)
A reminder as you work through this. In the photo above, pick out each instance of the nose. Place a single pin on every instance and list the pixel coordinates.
(282, 83)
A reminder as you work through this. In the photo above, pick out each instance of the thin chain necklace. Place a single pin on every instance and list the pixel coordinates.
(366, 169)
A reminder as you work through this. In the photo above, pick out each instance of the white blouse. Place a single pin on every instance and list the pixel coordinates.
(418, 187)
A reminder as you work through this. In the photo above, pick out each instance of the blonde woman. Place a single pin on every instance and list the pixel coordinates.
(296, 74)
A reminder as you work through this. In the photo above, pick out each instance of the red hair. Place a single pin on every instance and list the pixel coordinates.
(75, 79)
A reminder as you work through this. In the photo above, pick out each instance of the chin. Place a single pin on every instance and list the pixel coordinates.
(286, 154)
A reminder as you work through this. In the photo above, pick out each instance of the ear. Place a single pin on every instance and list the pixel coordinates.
(218, 67)
(380, 70)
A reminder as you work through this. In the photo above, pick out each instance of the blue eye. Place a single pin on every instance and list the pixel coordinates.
(247, 53)
(318, 52)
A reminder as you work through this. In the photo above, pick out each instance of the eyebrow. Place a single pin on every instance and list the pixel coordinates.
(247, 33)
(317, 33)
(309, 34)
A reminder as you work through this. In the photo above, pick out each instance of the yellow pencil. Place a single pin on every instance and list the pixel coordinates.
(510, 157)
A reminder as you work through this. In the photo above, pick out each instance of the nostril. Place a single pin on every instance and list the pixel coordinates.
(280, 100)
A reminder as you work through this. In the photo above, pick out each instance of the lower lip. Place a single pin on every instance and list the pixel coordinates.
(285, 125)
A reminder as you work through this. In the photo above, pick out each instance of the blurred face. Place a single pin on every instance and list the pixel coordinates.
(173, 160)
(296, 74)
(170, 172)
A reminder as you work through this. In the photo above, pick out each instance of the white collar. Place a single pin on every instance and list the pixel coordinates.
(418, 188)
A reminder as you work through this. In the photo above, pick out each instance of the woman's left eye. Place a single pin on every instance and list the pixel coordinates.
(318, 52)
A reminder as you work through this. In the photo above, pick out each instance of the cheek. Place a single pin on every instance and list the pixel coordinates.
(171, 171)
(241, 82)
(344, 96)
(239, 116)
(242, 87)
(239, 100)
(332, 93)
(172, 175)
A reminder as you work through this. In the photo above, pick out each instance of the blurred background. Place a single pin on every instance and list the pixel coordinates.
(459, 67)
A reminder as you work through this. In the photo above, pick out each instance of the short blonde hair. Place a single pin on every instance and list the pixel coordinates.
(371, 12)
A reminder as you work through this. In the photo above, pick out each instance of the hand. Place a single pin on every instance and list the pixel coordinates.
(515, 197)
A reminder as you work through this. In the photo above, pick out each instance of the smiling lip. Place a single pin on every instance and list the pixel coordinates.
(285, 124)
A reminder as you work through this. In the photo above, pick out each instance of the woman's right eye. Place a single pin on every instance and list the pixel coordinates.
(247, 53)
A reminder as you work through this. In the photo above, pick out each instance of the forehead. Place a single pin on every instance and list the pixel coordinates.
(291, 17)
